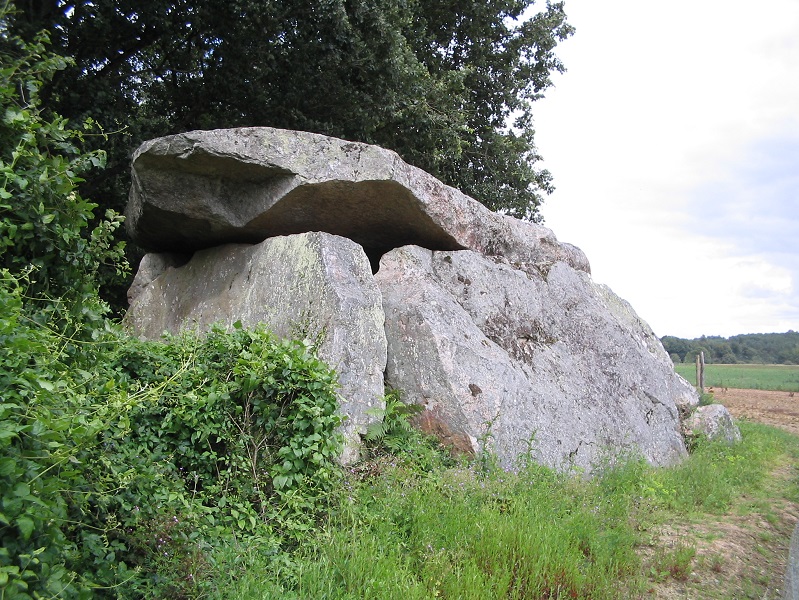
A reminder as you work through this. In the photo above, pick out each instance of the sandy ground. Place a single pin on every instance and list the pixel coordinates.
(780, 409)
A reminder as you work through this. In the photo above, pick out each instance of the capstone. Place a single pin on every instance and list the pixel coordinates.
(205, 188)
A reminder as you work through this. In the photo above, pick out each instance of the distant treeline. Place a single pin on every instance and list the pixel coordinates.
(752, 348)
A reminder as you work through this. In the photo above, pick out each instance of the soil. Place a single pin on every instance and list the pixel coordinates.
(742, 554)
(780, 409)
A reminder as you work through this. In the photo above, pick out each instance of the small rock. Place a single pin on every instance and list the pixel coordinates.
(713, 421)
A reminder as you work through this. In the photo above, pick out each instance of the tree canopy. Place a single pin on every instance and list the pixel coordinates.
(436, 80)
(753, 348)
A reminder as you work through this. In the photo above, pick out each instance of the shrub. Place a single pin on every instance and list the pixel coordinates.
(44, 222)
(233, 437)
(122, 461)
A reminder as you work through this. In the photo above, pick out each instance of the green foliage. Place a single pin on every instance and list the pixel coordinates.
(245, 419)
(124, 461)
(438, 82)
(44, 222)
(751, 377)
(35, 451)
(455, 535)
(706, 399)
(455, 532)
(716, 472)
(753, 348)
(674, 563)
(235, 435)
(395, 439)
(394, 432)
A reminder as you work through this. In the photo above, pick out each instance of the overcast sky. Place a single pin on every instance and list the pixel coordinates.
(674, 142)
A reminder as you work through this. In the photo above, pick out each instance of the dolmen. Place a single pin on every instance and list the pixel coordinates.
(488, 323)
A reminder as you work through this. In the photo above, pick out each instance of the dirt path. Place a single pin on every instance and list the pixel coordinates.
(780, 409)
(743, 553)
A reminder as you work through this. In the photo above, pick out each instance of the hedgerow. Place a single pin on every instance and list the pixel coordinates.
(124, 462)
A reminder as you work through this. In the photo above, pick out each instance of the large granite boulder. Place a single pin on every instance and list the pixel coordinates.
(313, 285)
(489, 322)
(522, 361)
(205, 188)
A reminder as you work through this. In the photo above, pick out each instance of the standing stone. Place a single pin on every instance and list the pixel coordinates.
(150, 267)
(308, 285)
(525, 359)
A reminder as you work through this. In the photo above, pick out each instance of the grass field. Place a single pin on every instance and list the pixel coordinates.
(783, 378)
(415, 531)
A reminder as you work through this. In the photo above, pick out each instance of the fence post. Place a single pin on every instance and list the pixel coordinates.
(700, 372)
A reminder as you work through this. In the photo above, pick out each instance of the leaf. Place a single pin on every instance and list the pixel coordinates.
(8, 430)
(25, 525)
(7, 466)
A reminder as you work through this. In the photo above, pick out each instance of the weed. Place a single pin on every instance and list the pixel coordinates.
(393, 433)
(716, 563)
(706, 399)
(462, 531)
(676, 563)
(395, 439)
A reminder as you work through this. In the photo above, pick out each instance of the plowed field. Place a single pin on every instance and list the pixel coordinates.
(780, 409)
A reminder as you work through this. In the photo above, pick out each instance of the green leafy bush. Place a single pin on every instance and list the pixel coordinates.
(124, 461)
(242, 417)
(46, 227)
(233, 437)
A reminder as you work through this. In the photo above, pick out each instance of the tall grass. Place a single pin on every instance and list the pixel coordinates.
(458, 532)
(751, 377)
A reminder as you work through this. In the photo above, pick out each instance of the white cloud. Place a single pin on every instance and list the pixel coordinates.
(674, 142)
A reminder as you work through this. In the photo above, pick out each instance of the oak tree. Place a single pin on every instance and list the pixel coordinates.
(449, 84)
